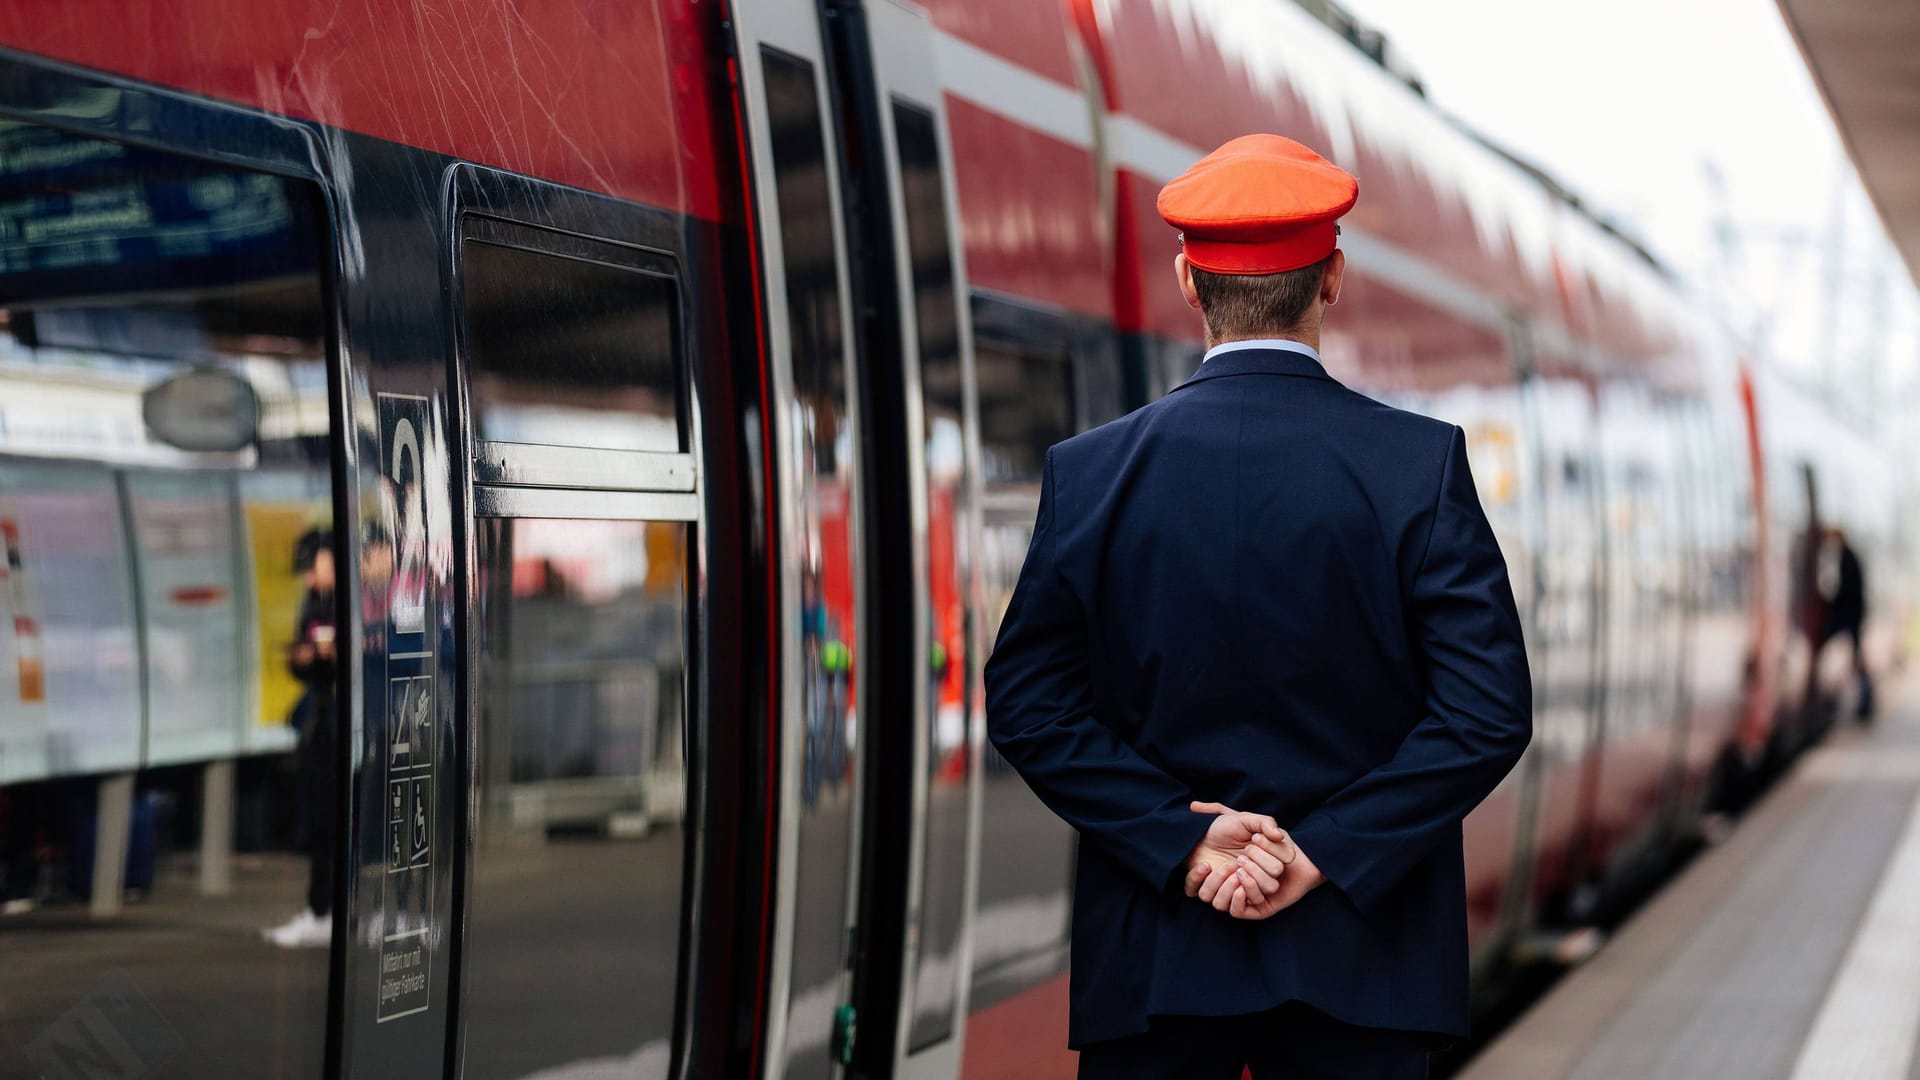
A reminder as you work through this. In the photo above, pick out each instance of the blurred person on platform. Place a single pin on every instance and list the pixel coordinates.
(1844, 584)
(312, 659)
(23, 820)
(1265, 592)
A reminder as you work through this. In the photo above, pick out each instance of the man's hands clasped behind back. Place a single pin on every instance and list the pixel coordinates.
(1246, 865)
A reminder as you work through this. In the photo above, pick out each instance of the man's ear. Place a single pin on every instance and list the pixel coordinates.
(1330, 281)
(1183, 272)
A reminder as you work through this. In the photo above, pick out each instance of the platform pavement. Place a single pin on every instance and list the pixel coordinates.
(1791, 950)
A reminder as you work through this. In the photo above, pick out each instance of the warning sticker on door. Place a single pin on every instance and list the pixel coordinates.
(411, 756)
(410, 774)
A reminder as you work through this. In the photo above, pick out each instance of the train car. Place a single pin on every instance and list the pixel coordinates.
(505, 508)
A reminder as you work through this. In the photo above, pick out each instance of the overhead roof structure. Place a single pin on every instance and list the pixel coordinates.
(1865, 57)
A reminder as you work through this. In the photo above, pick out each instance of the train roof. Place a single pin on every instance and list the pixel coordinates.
(1431, 188)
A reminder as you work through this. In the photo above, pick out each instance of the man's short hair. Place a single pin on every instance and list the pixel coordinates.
(1257, 305)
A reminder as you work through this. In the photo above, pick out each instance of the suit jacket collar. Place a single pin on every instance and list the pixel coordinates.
(1258, 362)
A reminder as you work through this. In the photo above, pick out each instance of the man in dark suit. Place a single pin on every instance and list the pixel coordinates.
(1263, 656)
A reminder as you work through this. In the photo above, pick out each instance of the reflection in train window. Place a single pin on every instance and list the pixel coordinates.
(580, 759)
(1026, 405)
(950, 660)
(820, 448)
(168, 747)
(1020, 922)
(568, 349)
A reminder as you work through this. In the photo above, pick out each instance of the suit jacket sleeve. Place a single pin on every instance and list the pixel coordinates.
(1040, 716)
(1479, 708)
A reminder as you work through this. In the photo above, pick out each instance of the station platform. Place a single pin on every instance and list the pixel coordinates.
(1789, 950)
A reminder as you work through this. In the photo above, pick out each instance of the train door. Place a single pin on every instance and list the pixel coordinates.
(1686, 500)
(1644, 615)
(1715, 638)
(582, 637)
(787, 105)
(917, 373)
(1569, 621)
(1507, 453)
(1796, 507)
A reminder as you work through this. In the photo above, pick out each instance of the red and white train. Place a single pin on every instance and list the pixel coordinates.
(669, 383)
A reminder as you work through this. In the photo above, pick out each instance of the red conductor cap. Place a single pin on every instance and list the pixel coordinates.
(1260, 204)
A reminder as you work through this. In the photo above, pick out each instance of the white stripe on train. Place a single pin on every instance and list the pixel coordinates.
(1000, 86)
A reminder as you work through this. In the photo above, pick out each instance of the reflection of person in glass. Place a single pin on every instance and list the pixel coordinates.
(1843, 583)
(825, 692)
(22, 821)
(312, 659)
(813, 688)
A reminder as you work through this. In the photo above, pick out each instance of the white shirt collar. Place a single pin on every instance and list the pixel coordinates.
(1283, 344)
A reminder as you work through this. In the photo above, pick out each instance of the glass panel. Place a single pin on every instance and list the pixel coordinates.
(1568, 615)
(569, 351)
(185, 560)
(1645, 621)
(1720, 582)
(574, 945)
(950, 660)
(820, 455)
(1026, 405)
(75, 707)
(167, 614)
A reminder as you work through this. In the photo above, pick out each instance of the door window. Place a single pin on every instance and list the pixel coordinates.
(580, 759)
(1026, 406)
(949, 494)
(820, 455)
(580, 615)
(569, 342)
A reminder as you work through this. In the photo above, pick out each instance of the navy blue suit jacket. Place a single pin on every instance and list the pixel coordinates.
(1270, 591)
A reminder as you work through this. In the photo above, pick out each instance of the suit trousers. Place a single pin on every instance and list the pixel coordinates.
(1292, 1042)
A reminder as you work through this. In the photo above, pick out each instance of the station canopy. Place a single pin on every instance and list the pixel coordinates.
(1865, 57)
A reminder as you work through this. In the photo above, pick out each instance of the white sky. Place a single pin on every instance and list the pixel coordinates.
(1633, 103)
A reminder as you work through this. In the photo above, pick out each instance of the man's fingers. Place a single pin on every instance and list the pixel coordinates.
(1195, 877)
(1199, 807)
(1260, 877)
(1258, 824)
(1254, 904)
(1265, 860)
(1261, 907)
(1238, 907)
(1216, 877)
(1282, 849)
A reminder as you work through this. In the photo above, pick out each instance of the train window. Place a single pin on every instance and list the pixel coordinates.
(569, 341)
(1027, 396)
(820, 447)
(169, 727)
(950, 663)
(580, 764)
(1026, 405)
